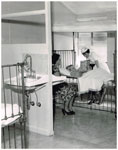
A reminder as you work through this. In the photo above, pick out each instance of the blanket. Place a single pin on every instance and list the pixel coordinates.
(93, 80)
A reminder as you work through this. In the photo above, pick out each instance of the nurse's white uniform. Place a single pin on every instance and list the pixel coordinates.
(94, 79)
(93, 57)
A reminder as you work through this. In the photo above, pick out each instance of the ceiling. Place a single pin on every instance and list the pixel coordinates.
(84, 16)
(70, 16)
(78, 8)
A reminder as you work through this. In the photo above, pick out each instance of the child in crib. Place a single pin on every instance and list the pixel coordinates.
(73, 71)
(84, 67)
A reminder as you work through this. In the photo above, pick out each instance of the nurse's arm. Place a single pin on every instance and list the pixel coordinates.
(97, 63)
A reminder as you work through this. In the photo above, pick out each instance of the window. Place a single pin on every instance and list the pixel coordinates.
(96, 41)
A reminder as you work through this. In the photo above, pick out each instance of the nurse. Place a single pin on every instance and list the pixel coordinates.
(95, 61)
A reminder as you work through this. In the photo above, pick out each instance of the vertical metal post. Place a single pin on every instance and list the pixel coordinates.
(11, 91)
(115, 82)
(115, 73)
(14, 134)
(111, 96)
(24, 104)
(3, 134)
(4, 93)
(74, 53)
(17, 81)
(107, 93)
(9, 136)
(21, 133)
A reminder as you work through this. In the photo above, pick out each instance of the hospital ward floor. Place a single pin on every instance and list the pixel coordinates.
(86, 129)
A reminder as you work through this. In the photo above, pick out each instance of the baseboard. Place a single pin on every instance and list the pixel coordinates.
(41, 131)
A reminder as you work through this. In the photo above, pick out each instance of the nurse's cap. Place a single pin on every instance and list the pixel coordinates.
(84, 49)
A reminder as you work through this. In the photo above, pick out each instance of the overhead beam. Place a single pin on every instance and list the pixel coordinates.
(95, 28)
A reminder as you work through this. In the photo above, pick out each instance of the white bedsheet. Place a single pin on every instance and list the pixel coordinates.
(9, 114)
(93, 80)
(58, 79)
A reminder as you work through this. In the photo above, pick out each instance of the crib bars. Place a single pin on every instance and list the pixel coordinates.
(109, 101)
(13, 132)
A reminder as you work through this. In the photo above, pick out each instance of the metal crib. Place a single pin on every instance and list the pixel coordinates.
(109, 99)
(13, 120)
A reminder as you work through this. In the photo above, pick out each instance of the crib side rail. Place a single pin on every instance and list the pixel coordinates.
(67, 57)
(8, 95)
(115, 79)
(13, 120)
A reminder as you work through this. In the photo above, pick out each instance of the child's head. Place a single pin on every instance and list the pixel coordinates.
(70, 68)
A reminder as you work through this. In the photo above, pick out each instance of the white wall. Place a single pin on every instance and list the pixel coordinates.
(20, 32)
(63, 41)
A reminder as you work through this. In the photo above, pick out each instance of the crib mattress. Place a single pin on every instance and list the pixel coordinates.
(17, 112)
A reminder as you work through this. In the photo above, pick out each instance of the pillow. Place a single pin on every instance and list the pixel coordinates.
(64, 71)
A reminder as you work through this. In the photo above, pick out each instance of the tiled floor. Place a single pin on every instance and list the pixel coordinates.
(86, 129)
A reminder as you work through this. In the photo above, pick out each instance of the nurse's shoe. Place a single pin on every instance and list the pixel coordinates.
(90, 102)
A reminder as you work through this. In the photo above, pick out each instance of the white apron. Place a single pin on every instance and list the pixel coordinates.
(93, 57)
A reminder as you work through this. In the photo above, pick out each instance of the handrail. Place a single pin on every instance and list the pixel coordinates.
(20, 64)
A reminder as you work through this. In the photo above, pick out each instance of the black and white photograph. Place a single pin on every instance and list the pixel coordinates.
(58, 74)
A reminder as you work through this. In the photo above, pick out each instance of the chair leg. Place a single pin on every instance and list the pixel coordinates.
(70, 104)
(91, 98)
(102, 94)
